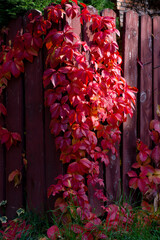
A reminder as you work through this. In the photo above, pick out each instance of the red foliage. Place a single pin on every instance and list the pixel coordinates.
(14, 229)
(147, 178)
(88, 100)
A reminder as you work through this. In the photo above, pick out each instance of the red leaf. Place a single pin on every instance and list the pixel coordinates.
(16, 136)
(132, 174)
(64, 1)
(133, 183)
(75, 1)
(5, 137)
(3, 109)
(14, 70)
(53, 232)
(155, 124)
(85, 162)
(142, 184)
(83, 5)
(136, 165)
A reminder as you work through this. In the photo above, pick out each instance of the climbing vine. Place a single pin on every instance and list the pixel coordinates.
(87, 97)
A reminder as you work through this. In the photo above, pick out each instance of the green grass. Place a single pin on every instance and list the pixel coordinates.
(40, 224)
(10, 9)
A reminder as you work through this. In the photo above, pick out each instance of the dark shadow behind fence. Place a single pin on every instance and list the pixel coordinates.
(24, 99)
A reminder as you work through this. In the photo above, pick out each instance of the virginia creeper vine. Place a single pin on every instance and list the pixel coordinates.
(88, 99)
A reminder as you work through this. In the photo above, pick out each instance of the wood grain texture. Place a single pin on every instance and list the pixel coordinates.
(14, 123)
(145, 77)
(112, 171)
(88, 37)
(156, 92)
(156, 63)
(34, 126)
(130, 55)
(53, 165)
(2, 165)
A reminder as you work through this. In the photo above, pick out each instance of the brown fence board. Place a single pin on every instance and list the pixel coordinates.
(156, 63)
(2, 166)
(35, 185)
(145, 77)
(110, 13)
(75, 24)
(14, 123)
(156, 91)
(88, 37)
(130, 54)
(112, 171)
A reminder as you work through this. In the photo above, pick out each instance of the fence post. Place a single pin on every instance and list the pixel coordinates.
(2, 166)
(130, 55)
(156, 64)
(112, 171)
(14, 123)
(34, 110)
(145, 85)
(88, 37)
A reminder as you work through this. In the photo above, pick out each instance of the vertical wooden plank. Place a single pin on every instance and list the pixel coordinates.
(112, 172)
(14, 123)
(34, 133)
(2, 166)
(145, 77)
(110, 13)
(75, 23)
(156, 90)
(87, 34)
(88, 37)
(53, 165)
(35, 176)
(2, 149)
(156, 63)
(130, 54)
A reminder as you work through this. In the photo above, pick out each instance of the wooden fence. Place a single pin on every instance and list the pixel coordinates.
(28, 116)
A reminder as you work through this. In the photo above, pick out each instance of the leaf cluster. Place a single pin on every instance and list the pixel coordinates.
(88, 100)
(146, 173)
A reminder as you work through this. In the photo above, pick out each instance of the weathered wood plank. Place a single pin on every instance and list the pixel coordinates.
(156, 63)
(87, 34)
(75, 24)
(34, 124)
(110, 13)
(145, 77)
(112, 172)
(156, 91)
(53, 165)
(88, 37)
(34, 133)
(2, 165)
(14, 123)
(130, 55)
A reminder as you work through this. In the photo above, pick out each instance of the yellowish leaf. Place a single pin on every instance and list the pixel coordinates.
(15, 176)
(158, 110)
